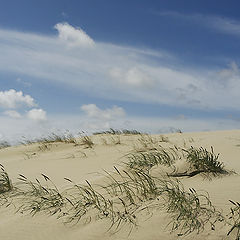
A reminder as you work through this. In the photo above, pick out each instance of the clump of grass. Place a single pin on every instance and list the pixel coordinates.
(87, 202)
(146, 143)
(86, 141)
(115, 140)
(66, 137)
(35, 197)
(134, 186)
(44, 146)
(161, 156)
(4, 144)
(5, 182)
(202, 161)
(234, 220)
(189, 210)
(206, 162)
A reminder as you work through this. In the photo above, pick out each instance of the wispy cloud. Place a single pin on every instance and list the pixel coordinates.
(113, 72)
(12, 114)
(218, 23)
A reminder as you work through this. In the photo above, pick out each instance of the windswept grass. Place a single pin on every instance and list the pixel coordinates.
(5, 182)
(189, 210)
(36, 197)
(234, 220)
(160, 156)
(129, 191)
(4, 144)
(86, 141)
(118, 132)
(66, 137)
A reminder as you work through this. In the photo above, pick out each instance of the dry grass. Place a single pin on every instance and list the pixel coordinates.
(112, 131)
(234, 220)
(4, 144)
(5, 182)
(128, 192)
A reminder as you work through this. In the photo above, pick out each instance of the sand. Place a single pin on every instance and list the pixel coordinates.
(63, 160)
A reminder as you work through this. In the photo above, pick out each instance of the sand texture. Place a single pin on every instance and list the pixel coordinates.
(77, 162)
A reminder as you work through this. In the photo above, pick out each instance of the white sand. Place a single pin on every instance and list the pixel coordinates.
(75, 162)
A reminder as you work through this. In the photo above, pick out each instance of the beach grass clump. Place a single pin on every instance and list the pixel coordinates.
(86, 141)
(203, 161)
(189, 210)
(148, 159)
(133, 186)
(86, 203)
(5, 182)
(66, 137)
(234, 220)
(36, 197)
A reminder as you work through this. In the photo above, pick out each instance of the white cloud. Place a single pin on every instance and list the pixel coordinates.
(38, 115)
(133, 77)
(12, 114)
(73, 36)
(93, 111)
(116, 72)
(76, 123)
(13, 99)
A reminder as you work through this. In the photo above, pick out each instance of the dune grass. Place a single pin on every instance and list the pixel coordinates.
(66, 137)
(36, 197)
(234, 220)
(86, 141)
(129, 191)
(112, 131)
(190, 211)
(4, 144)
(5, 182)
(148, 159)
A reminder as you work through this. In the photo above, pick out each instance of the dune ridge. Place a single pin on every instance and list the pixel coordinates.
(138, 175)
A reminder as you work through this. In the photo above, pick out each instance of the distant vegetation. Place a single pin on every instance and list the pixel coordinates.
(4, 144)
(118, 132)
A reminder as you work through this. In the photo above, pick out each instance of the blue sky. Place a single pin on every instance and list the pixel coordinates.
(90, 65)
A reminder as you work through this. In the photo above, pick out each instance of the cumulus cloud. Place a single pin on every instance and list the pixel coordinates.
(93, 111)
(13, 99)
(38, 115)
(12, 114)
(73, 36)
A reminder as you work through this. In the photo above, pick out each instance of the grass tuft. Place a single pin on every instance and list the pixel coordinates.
(5, 182)
(4, 144)
(146, 160)
(234, 220)
(189, 210)
(204, 161)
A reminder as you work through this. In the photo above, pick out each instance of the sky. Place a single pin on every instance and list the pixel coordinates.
(88, 65)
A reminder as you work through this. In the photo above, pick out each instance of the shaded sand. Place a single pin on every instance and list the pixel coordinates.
(61, 160)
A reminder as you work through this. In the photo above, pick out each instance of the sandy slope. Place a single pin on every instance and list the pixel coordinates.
(75, 162)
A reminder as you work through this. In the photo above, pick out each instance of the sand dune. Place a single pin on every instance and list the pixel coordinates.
(59, 160)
